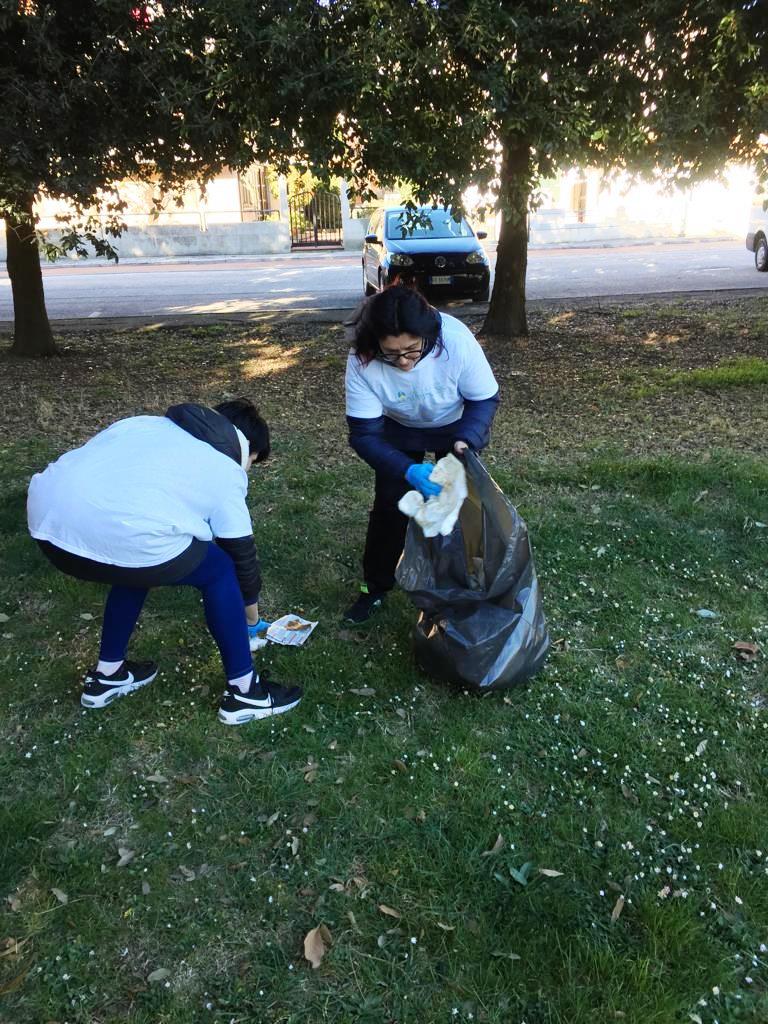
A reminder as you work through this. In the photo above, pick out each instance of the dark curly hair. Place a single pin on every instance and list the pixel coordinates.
(397, 309)
(245, 416)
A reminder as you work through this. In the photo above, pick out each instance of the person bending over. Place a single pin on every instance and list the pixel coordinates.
(416, 381)
(155, 501)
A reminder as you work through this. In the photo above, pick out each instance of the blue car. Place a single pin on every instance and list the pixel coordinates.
(444, 257)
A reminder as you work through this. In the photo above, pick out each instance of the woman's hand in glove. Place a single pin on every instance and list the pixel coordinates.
(417, 476)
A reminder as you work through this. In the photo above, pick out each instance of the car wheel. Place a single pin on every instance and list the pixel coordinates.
(368, 288)
(761, 254)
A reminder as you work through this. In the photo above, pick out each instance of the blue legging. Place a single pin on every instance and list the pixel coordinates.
(223, 603)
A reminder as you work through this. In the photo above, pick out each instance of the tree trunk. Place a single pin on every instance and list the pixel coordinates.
(32, 332)
(506, 312)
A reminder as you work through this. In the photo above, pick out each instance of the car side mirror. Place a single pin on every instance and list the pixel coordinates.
(482, 234)
(372, 239)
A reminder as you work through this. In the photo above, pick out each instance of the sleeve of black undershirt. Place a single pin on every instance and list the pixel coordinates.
(242, 551)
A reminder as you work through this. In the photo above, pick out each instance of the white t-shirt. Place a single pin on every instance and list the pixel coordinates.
(432, 393)
(137, 493)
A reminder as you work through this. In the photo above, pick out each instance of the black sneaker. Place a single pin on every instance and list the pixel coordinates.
(263, 699)
(100, 690)
(366, 604)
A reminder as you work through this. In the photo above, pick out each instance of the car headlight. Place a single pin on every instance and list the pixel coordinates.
(400, 259)
(478, 256)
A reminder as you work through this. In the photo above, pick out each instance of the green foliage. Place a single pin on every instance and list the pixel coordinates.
(96, 91)
(745, 372)
(445, 86)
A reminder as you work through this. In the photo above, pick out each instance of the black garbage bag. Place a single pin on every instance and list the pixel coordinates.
(481, 623)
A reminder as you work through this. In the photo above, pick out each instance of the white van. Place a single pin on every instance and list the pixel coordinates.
(757, 235)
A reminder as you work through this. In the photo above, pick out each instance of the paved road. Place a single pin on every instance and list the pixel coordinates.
(332, 281)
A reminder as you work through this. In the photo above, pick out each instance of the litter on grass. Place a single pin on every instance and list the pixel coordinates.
(290, 630)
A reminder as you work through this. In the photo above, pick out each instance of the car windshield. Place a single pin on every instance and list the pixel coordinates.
(441, 225)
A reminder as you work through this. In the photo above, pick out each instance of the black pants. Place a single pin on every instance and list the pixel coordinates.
(121, 576)
(386, 528)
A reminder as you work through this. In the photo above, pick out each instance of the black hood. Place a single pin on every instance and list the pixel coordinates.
(207, 425)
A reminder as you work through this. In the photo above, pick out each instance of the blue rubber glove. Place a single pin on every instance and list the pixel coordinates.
(417, 476)
(261, 627)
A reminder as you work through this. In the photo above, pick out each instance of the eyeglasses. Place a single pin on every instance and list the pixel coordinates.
(411, 354)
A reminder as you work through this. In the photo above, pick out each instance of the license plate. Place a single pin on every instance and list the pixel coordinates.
(444, 279)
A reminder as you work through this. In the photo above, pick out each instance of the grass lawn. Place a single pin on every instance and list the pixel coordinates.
(592, 848)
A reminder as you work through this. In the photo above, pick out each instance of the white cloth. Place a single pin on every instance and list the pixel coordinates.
(432, 393)
(439, 513)
(137, 493)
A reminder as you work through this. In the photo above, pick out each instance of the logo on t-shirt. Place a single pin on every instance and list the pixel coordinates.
(422, 394)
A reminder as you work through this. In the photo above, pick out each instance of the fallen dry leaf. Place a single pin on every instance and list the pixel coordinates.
(13, 902)
(159, 975)
(146, 888)
(701, 748)
(125, 855)
(295, 846)
(617, 909)
(61, 896)
(550, 873)
(400, 766)
(390, 911)
(4, 617)
(745, 650)
(316, 944)
(364, 691)
(506, 956)
(497, 847)
(87, 616)
(156, 778)
(12, 947)
(446, 927)
(628, 794)
(272, 818)
(311, 775)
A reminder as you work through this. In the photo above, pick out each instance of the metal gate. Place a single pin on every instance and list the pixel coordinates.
(315, 219)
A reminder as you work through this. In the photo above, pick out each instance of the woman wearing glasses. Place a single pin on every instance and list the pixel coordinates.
(417, 381)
